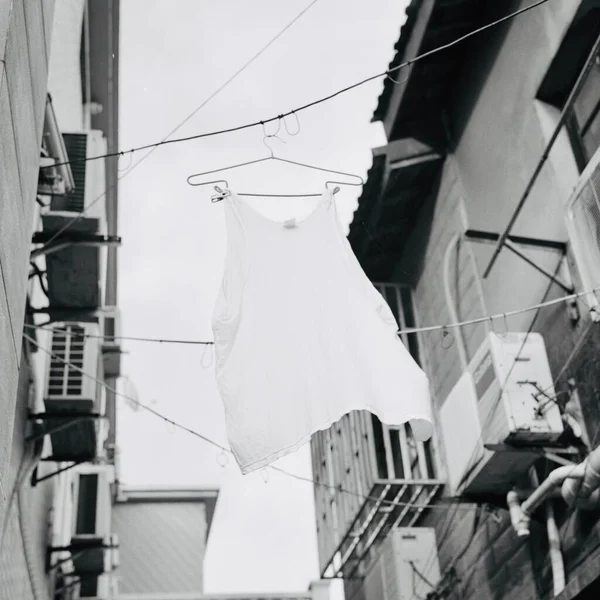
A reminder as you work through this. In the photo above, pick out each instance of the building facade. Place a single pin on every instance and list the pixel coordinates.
(501, 129)
(58, 313)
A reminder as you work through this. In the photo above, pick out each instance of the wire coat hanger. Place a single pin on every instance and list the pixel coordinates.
(221, 193)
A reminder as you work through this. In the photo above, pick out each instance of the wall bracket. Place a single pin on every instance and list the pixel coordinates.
(67, 239)
(487, 237)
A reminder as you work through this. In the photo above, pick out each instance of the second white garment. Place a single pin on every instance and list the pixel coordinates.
(302, 337)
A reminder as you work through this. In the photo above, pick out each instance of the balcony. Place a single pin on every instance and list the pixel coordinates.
(371, 478)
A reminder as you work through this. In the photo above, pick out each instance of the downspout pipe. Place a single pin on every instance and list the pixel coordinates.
(557, 563)
(556, 558)
(579, 488)
(583, 488)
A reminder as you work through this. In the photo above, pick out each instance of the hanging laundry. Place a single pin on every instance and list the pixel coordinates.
(302, 337)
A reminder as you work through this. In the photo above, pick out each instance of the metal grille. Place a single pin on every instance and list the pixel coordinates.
(68, 345)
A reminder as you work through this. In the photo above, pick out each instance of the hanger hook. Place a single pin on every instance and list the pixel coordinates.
(293, 112)
(275, 134)
(265, 142)
(395, 80)
(120, 156)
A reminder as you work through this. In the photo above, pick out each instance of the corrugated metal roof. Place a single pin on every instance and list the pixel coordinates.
(161, 546)
(430, 80)
(167, 493)
(413, 111)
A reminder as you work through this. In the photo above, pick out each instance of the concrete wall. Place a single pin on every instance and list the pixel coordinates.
(499, 131)
(25, 27)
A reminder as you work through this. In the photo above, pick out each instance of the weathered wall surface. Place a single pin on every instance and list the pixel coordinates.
(25, 28)
(498, 139)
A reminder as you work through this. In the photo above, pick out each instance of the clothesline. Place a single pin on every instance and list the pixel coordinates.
(408, 330)
(131, 167)
(223, 449)
(331, 96)
(165, 140)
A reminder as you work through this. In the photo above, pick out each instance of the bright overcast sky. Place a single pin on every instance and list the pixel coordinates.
(173, 55)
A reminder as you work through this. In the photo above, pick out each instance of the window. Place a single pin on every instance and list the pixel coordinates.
(583, 120)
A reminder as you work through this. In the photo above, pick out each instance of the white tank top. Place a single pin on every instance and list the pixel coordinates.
(302, 337)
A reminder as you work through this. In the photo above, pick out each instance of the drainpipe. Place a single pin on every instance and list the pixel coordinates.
(583, 488)
(579, 488)
(556, 558)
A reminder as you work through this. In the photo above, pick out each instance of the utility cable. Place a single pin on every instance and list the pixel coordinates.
(556, 379)
(441, 328)
(323, 99)
(206, 439)
(449, 522)
(166, 140)
(451, 512)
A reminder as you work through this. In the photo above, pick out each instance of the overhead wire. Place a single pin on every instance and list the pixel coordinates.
(566, 364)
(166, 140)
(411, 330)
(331, 96)
(470, 465)
(193, 432)
(452, 512)
(429, 328)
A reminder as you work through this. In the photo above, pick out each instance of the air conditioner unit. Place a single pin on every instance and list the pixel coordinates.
(88, 175)
(95, 547)
(498, 403)
(68, 389)
(89, 178)
(583, 226)
(76, 273)
(407, 566)
(93, 500)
